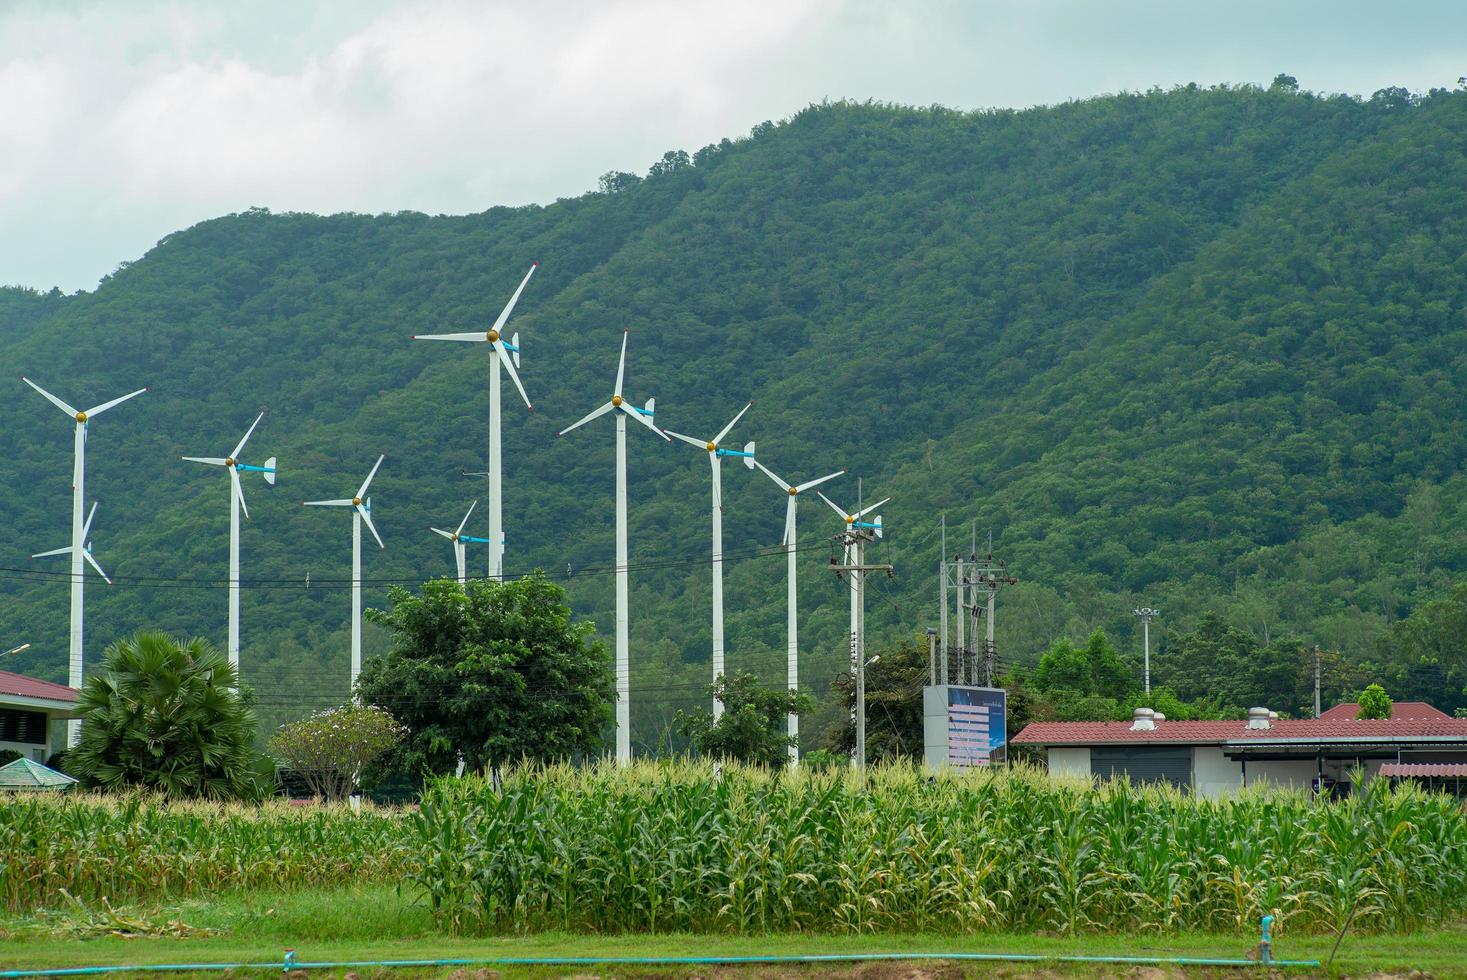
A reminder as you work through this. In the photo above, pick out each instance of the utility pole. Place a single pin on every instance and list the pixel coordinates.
(992, 576)
(1316, 679)
(1146, 615)
(854, 540)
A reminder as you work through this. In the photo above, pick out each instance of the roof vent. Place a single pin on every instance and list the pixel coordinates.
(1273, 716)
(1158, 716)
(1260, 718)
(1143, 720)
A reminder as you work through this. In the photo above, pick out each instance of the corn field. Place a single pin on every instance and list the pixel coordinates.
(682, 848)
(136, 849)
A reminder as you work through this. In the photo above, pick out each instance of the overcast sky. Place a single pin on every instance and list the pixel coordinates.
(124, 120)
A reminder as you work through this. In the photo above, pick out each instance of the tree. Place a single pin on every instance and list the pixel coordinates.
(495, 672)
(167, 715)
(893, 705)
(1374, 703)
(1095, 671)
(752, 727)
(331, 749)
(615, 181)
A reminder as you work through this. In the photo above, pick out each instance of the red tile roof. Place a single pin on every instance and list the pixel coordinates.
(1424, 769)
(19, 685)
(1400, 711)
(1218, 732)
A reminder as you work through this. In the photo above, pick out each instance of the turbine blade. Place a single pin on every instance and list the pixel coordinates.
(789, 522)
(57, 551)
(211, 460)
(366, 516)
(362, 490)
(87, 524)
(621, 363)
(832, 505)
(472, 338)
(447, 534)
(240, 448)
(51, 398)
(509, 307)
(594, 415)
(701, 444)
(770, 473)
(326, 503)
(239, 491)
(513, 374)
(93, 562)
(729, 428)
(811, 485)
(114, 402)
(644, 420)
(466, 517)
(863, 513)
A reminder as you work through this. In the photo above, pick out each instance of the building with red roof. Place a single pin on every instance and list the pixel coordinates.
(29, 711)
(1213, 758)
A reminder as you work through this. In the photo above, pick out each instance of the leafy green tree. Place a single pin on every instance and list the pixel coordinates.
(893, 705)
(1374, 703)
(166, 715)
(752, 728)
(494, 672)
(1096, 670)
(331, 749)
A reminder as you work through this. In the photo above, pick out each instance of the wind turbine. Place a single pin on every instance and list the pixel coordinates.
(623, 657)
(237, 504)
(74, 726)
(793, 492)
(361, 506)
(858, 532)
(715, 459)
(460, 539)
(78, 525)
(507, 355)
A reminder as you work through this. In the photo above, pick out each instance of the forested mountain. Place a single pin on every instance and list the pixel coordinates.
(1199, 349)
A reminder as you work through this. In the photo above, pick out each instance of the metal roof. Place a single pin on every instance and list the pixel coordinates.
(19, 685)
(1294, 731)
(1424, 769)
(23, 774)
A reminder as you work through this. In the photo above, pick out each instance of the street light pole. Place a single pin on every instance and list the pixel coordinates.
(1146, 615)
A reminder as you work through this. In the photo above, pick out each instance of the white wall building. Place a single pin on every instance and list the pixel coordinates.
(29, 712)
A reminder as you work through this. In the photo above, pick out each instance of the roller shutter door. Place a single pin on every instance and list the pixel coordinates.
(1149, 765)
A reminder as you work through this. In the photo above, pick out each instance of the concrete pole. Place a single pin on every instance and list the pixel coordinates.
(859, 629)
(717, 580)
(962, 637)
(1146, 646)
(496, 472)
(78, 574)
(792, 653)
(356, 598)
(234, 505)
(623, 656)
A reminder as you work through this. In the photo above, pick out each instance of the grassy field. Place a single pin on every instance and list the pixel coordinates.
(372, 923)
(680, 860)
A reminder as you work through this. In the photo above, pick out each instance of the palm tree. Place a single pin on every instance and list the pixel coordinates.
(166, 715)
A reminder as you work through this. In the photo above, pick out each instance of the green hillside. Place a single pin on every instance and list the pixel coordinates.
(1200, 349)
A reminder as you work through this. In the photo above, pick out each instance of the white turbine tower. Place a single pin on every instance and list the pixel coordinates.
(361, 506)
(858, 532)
(623, 656)
(236, 505)
(78, 525)
(507, 355)
(792, 650)
(73, 727)
(460, 539)
(715, 459)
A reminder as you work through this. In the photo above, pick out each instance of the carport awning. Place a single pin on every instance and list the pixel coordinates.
(1425, 770)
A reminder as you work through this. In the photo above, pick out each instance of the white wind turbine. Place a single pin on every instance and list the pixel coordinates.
(623, 657)
(78, 525)
(361, 506)
(858, 532)
(236, 505)
(460, 539)
(715, 460)
(73, 727)
(792, 650)
(507, 355)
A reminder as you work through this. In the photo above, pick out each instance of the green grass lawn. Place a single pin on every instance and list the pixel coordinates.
(374, 924)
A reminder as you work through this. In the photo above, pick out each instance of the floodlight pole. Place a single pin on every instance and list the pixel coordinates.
(1146, 615)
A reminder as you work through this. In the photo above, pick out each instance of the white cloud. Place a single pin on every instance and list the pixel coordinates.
(126, 120)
